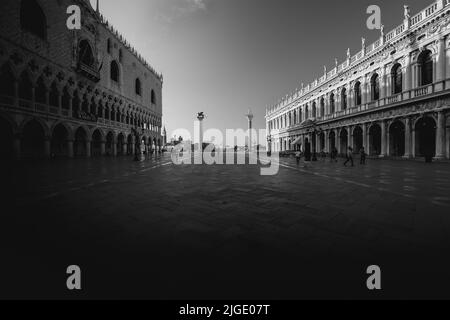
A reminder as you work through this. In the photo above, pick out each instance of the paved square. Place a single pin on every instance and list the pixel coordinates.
(155, 230)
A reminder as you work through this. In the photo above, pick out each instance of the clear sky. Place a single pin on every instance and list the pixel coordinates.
(226, 56)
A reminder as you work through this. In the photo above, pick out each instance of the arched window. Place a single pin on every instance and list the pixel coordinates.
(54, 95)
(314, 110)
(358, 99)
(65, 102)
(114, 71)
(332, 103)
(426, 68)
(138, 87)
(300, 115)
(153, 97)
(306, 112)
(322, 107)
(397, 79)
(25, 87)
(375, 87)
(120, 56)
(40, 91)
(86, 55)
(7, 81)
(290, 119)
(108, 45)
(295, 116)
(32, 18)
(344, 99)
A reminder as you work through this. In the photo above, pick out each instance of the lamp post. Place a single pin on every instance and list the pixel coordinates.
(200, 117)
(250, 117)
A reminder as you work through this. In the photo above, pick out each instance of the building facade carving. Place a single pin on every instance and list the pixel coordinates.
(73, 93)
(392, 97)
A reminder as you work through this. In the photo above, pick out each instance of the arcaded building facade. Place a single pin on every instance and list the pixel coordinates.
(72, 93)
(392, 97)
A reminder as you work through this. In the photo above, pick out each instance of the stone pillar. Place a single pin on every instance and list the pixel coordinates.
(367, 139)
(114, 148)
(408, 73)
(124, 149)
(133, 147)
(440, 63)
(47, 147)
(364, 136)
(88, 149)
(70, 148)
(440, 136)
(349, 137)
(327, 141)
(16, 93)
(383, 139)
(338, 140)
(408, 151)
(102, 147)
(16, 146)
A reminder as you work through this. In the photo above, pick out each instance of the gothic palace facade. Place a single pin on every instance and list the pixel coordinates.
(72, 93)
(392, 97)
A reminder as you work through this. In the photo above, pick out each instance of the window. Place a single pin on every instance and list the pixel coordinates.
(114, 72)
(322, 107)
(358, 99)
(314, 110)
(54, 95)
(153, 97)
(7, 81)
(138, 88)
(375, 86)
(306, 112)
(426, 68)
(86, 56)
(120, 56)
(397, 80)
(332, 103)
(108, 46)
(32, 18)
(344, 99)
(40, 91)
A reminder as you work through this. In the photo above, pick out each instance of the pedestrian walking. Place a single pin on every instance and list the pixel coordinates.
(298, 156)
(362, 153)
(349, 157)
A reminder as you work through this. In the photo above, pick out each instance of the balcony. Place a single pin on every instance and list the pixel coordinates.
(419, 93)
(90, 72)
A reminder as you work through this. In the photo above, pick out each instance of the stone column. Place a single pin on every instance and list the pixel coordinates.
(16, 93)
(440, 136)
(364, 136)
(133, 147)
(349, 137)
(408, 150)
(327, 141)
(70, 148)
(16, 146)
(383, 139)
(88, 148)
(408, 73)
(47, 147)
(440, 65)
(338, 140)
(102, 147)
(114, 148)
(124, 149)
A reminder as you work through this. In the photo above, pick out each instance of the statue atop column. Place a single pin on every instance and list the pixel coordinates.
(407, 12)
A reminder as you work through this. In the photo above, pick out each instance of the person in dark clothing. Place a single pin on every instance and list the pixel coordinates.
(362, 153)
(349, 157)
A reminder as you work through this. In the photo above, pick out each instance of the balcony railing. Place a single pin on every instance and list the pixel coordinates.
(416, 93)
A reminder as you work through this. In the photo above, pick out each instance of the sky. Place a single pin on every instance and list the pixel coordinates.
(224, 57)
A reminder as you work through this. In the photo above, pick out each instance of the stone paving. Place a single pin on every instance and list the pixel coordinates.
(154, 230)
